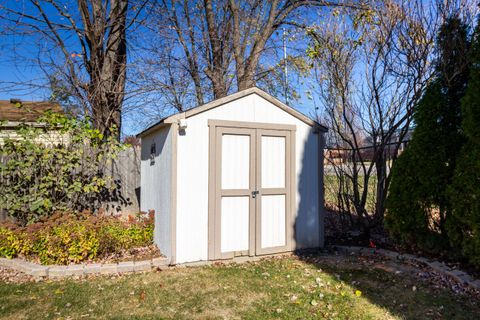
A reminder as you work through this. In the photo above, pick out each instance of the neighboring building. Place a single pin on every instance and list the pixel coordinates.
(336, 156)
(14, 112)
(239, 176)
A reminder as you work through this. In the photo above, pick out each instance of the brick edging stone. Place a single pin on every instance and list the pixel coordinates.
(61, 271)
(437, 266)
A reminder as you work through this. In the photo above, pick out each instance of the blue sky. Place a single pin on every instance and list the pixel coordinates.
(14, 69)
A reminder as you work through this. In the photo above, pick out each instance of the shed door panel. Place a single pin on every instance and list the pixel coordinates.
(252, 214)
(235, 161)
(235, 183)
(273, 185)
(273, 221)
(234, 224)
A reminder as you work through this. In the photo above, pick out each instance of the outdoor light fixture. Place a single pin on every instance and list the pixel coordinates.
(182, 124)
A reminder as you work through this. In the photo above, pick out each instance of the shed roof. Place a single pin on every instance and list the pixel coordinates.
(26, 111)
(227, 99)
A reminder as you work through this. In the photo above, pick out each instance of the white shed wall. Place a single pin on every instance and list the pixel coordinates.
(192, 175)
(156, 185)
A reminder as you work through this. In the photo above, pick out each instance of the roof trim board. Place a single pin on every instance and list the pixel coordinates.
(216, 103)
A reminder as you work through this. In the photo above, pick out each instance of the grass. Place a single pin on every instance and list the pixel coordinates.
(331, 183)
(285, 288)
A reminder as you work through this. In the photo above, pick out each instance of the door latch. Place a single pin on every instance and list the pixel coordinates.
(254, 193)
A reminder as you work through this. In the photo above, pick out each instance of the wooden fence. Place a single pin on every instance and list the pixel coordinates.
(125, 171)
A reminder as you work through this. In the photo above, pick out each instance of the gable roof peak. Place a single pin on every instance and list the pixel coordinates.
(232, 97)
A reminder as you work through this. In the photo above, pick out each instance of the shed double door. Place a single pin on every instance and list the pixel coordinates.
(253, 191)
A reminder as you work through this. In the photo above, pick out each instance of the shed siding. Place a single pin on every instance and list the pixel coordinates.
(156, 182)
(192, 175)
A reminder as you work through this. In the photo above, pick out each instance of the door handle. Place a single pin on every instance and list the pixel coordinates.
(254, 193)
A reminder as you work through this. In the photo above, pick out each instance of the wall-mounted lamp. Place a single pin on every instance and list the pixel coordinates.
(182, 124)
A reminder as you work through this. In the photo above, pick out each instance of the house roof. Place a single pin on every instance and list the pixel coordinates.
(216, 103)
(25, 111)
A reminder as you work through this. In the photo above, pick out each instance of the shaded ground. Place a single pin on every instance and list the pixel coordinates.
(321, 287)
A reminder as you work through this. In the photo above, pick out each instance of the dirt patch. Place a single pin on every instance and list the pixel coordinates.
(12, 276)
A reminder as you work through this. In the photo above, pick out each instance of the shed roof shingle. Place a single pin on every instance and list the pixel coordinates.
(26, 111)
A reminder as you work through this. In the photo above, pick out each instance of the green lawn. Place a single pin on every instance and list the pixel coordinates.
(286, 288)
(331, 183)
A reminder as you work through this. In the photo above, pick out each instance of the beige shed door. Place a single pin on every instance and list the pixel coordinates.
(252, 191)
(273, 184)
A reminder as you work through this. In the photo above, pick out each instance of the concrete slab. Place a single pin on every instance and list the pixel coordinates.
(142, 265)
(160, 262)
(57, 271)
(75, 269)
(94, 268)
(30, 268)
(109, 268)
(6, 262)
(123, 267)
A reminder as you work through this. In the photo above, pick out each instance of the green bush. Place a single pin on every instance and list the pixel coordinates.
(68, 238)
(419, 210)
(58, 164)
(465, 188)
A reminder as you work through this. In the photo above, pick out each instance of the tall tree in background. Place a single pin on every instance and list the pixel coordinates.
(419, 209)
(82, 48)
(372, 68)
(464, 231)
(215, 46)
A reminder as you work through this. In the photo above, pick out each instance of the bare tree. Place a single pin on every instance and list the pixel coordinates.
(81, 46)
(373, 67)
(220, 44)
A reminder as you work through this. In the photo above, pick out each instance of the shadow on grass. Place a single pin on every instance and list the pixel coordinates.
(394, 287)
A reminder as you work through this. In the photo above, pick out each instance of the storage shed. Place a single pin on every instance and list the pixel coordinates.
(239, 176)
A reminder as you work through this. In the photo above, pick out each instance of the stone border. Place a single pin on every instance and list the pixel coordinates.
(437, 266)
(60, 271)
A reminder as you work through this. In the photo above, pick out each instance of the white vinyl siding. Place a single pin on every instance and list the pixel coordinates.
(155, 185)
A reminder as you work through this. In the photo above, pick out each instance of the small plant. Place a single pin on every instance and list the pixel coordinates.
(69, 238)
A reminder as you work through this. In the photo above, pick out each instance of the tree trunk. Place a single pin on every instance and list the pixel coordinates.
(381, 188)
(106, 66)
(216, 70)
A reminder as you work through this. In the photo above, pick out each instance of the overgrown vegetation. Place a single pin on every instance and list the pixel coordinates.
(58, 164)
(67, 238)
(433, 203)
